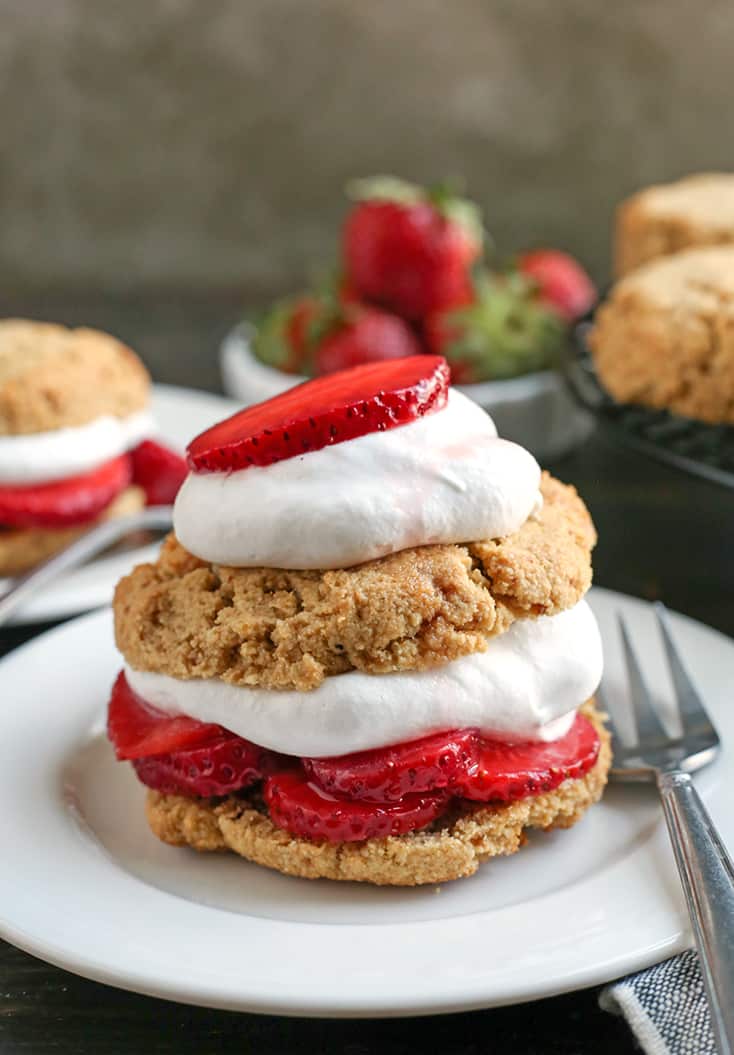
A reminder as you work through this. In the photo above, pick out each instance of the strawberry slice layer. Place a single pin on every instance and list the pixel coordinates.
(319, 413)
(159, 471)
(223, 765)
(505, 772)
(306, 810)
(137, 730)
(387, 774)
(65, 503)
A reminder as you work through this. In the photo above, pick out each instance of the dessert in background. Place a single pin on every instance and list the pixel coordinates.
(75, 424)
(664, 338)
(413, 278)
(669, 217)
(364, 654)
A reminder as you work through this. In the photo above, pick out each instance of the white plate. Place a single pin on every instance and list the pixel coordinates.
(536, 411)
(180, 414)
(85, 885)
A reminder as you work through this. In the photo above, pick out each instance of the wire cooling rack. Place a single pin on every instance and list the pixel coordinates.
(704, 450)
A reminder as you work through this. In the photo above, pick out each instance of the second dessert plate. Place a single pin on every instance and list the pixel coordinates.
(572, 909)
(180, 413)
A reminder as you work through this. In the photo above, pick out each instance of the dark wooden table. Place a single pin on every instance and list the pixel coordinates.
(661, 535)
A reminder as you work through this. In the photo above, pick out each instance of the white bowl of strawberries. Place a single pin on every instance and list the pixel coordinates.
(411, 281)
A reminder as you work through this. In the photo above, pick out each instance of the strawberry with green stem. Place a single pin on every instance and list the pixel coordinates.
(503, 333)
(320, 334)
(409, 249)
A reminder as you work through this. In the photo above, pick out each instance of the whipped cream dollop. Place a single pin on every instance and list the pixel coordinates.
(526, 686)
(41, 457)
(445, 477)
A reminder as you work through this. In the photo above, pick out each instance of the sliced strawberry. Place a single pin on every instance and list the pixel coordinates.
(326, 411)
(505, 772)
(223, 765)
(386, 774)
(137, 730)
(65, 503)
(304, 809)
(159, 471)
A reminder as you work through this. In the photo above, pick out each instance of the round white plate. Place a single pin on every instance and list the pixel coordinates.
(536, 411)
(180, 414)
(86, 886)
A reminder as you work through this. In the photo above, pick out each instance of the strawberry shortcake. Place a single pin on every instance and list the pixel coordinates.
(364, 653)
(75, 424)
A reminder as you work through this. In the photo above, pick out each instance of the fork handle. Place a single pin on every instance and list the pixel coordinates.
(707, 874)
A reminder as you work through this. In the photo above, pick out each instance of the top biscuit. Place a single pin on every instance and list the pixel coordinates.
(668, 217)
(52, 377)
(413, 610)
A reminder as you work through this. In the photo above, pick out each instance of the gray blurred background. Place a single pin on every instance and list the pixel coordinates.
(167, 164)
(203, 144)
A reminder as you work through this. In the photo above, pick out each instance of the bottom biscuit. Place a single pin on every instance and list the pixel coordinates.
(451, 848)
(21, 550)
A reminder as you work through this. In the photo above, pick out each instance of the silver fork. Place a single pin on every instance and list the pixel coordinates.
(705, 868)
(86, 546)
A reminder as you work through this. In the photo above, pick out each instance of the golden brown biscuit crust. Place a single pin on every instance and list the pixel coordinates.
(21, 550)
(665, 336)
(412, 610)
(52, 377)
(451, 849)
(668, 218)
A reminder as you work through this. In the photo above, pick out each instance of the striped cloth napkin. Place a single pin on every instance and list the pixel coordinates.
(665, 1007)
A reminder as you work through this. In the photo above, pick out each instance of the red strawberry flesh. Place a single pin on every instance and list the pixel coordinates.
(306, 810)
(319, 413)
(137, 730)
(65, 503)
(505, 772)
(220, 767)
(386, 774)
(159, 471)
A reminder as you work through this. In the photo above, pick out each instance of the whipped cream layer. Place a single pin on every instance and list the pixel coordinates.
(526, 686)
(445, 477)
(41, 457)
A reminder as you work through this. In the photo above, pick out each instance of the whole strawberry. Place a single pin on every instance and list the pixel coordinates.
(363, 335)
(504, 333)
(408, 249)
(560, 281)
(323, 333)
(282, 336)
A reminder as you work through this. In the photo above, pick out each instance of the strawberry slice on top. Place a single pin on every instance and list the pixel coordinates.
(328, 410)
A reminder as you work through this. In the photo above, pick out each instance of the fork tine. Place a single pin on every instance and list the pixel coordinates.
(647, 722)
(693, 715)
